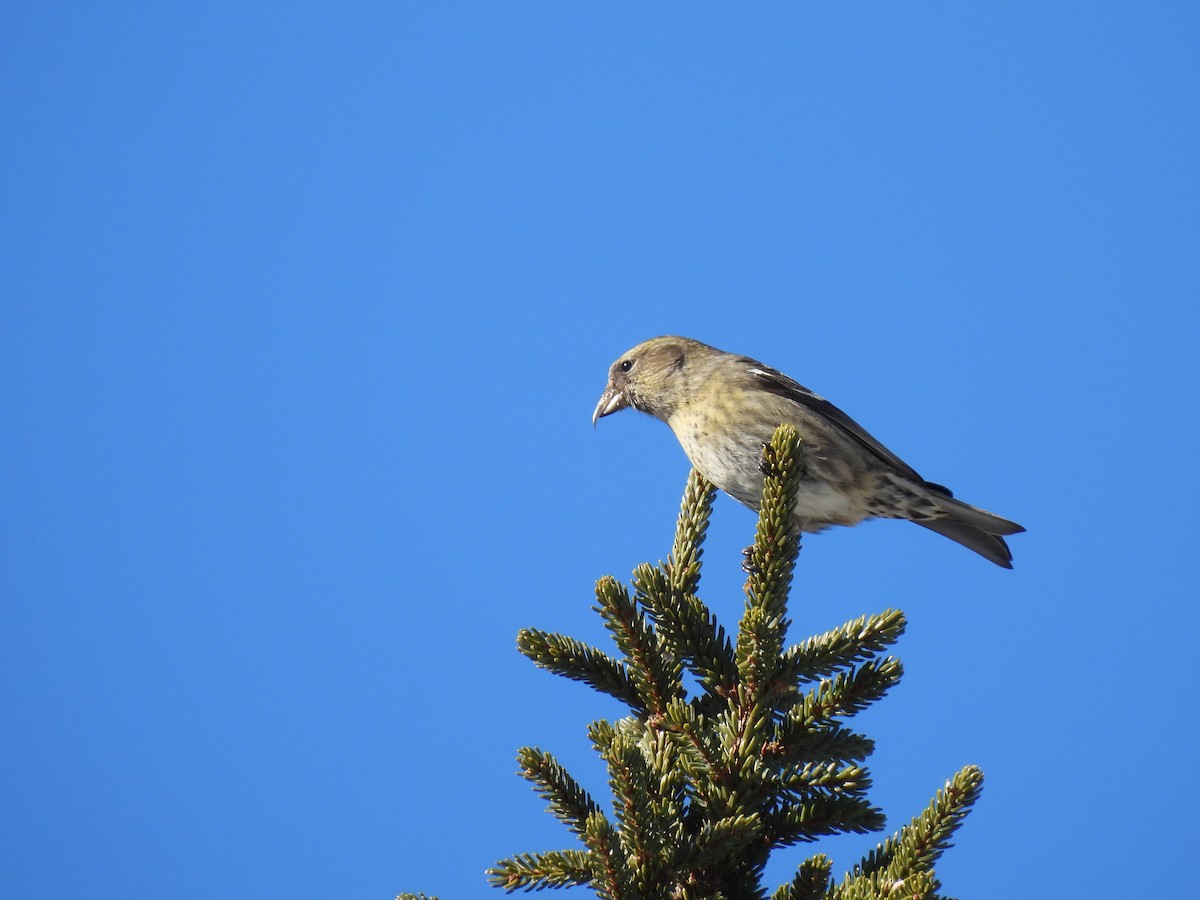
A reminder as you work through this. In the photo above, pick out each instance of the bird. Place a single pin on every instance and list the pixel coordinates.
(724, 409)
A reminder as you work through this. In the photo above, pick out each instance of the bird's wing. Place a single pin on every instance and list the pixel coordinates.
(769, 379)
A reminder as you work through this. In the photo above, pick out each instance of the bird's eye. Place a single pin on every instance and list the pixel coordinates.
(626, 365)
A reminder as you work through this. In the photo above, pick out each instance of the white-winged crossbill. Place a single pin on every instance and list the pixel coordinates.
(724, 408)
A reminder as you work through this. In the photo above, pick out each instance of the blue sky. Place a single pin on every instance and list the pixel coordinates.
(305, 311)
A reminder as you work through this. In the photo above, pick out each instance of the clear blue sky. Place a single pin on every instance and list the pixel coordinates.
(305, 311)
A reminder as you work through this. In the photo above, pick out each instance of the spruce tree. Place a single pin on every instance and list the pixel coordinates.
(757, 756)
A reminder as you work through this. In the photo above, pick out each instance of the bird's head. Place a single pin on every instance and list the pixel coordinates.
(653, 377)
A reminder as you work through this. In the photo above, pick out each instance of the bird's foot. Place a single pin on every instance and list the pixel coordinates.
(765, 465)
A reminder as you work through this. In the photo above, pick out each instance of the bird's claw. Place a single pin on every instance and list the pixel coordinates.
(765, 465)
(747, 566)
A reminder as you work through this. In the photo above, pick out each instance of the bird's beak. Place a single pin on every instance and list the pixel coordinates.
(611, 401)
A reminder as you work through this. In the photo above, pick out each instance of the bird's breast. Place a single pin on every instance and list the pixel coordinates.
(732, 460)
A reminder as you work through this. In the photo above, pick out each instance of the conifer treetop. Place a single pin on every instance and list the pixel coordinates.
(706, 783)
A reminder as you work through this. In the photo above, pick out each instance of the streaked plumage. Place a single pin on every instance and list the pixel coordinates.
(723, 408)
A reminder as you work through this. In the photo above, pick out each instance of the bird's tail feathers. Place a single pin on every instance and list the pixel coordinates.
(976, 517)
(989, 546)
(974, 528)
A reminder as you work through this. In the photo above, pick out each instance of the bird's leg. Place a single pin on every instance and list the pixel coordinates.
(764, 461)
(768, 469)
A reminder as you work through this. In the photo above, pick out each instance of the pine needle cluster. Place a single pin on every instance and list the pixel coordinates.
(755, 756)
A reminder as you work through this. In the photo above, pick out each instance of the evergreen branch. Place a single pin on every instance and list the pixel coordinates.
(667, 784)
(576, 660)
(829, 742)
(704, 788)
(921, 886)
(720, 841)
(725, 861)
(683, 565)
(811, 778)
(656, 679)
(690, 630)
(771, 561)
(630, 780)
(812, 880)
(757, 655)
(699, 752)
(567, 798)
(795, 823)
(668, 593)
(748, 722)
(610, 875)
(772, 558)
(744, 729)
(844, 695)
(535, 871)
(919, 844)
(854, 642)
(602, 734)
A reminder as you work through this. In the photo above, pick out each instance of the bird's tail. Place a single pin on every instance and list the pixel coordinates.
(973, 527)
